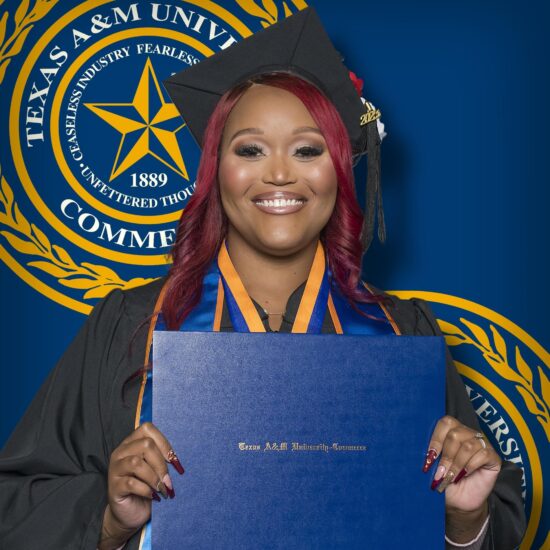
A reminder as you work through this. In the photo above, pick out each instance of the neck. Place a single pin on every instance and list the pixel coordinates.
(269, 279)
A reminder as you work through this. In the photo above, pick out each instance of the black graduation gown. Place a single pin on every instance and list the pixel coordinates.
(53, 469)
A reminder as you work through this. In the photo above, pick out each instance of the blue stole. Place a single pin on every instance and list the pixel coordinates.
(222, 283)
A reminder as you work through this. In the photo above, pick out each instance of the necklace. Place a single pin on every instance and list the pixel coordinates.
(271, 314)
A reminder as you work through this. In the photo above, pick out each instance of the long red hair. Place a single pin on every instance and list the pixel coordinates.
(203, 224)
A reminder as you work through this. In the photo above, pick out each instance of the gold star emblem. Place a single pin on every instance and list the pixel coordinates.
(148, 126)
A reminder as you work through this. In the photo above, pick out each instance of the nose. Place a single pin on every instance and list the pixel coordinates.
(279, 170)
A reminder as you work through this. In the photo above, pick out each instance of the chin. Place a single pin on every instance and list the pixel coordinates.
(284, 246)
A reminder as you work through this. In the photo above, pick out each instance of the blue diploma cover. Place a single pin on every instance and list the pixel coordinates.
(298, 441)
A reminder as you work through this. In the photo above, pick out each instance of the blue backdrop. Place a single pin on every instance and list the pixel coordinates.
(463, 88)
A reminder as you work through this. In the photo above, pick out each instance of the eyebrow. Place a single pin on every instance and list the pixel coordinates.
(255, 131)
(259, 131)
(303, 129)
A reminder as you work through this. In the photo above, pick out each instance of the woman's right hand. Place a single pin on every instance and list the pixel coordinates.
(138, 472)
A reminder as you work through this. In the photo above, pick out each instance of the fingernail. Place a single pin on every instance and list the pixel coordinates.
(447, 480)
(460, 475)
(169, 487)
(430, 458)
(161, 488)
(174, 460)
(435, 483)
(154, 496)
(438, 477)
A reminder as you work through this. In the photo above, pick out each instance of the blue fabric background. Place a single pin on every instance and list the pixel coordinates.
(463, 88)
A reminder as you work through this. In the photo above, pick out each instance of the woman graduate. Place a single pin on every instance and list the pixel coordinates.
(271, 240)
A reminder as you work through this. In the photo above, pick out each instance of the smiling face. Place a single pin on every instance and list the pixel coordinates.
(277, 182)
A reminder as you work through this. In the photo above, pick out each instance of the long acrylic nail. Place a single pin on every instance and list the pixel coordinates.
(174, 460)
(447, 480)
(460, 475)
(435, 483)
(438, 477)
(431, 455)
(169, 487)
(161, 488)
(155, 496)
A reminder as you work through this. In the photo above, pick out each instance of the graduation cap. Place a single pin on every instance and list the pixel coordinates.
(298, 45)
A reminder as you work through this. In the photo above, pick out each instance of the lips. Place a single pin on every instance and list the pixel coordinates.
(279, 202)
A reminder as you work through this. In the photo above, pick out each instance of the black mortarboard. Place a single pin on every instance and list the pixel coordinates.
(298, 45)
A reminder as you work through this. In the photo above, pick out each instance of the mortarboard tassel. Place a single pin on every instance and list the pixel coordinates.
(373, 203)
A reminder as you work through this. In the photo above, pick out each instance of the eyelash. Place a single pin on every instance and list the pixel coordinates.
(309, 151)
(249, 151)
(306, 151)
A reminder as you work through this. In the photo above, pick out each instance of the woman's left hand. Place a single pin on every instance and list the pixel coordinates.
(468, 467)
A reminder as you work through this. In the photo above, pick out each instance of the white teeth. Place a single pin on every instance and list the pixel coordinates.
(280, 202)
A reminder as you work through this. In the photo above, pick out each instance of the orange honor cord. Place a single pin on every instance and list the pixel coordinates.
(244, 302)
(386, 312)
(219, 307)
(334, 316)
(309, 298)
(152, 325)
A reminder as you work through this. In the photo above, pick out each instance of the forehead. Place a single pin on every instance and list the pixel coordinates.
(263, 105)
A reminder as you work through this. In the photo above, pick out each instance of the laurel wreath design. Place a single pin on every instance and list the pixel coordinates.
(267, 11)
(496, 354)
(26, 238)
(24, 20)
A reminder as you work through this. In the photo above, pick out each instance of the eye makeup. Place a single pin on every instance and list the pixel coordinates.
(309, 151)
(249, 150)
(253, 150)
